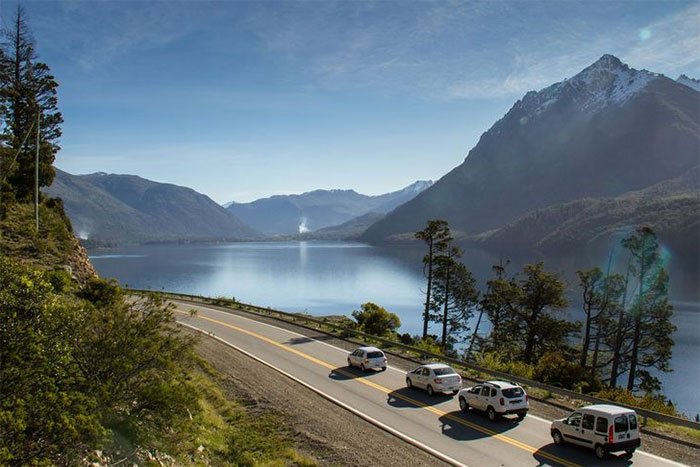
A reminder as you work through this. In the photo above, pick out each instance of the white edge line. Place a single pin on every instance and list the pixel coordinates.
(332, 399)
(529, 415)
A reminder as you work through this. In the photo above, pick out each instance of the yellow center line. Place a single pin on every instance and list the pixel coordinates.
(417, 403)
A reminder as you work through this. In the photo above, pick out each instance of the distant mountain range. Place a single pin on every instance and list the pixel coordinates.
(570, 163)
(108, 208)
(286, 215)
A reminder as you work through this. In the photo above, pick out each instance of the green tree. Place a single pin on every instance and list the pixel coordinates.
(375, 320)
(455, 292)
(28, 92)
(650, 311)
(529, 327)
(45, 416)
(437, 236)
(601, 297)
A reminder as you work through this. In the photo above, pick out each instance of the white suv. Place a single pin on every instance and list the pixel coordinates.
(367, 358)
(434, 377)
(496, 398)
(602, 427)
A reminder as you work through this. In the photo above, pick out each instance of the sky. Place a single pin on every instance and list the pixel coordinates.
(244, 100)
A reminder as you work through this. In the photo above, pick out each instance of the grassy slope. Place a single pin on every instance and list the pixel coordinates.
(221, 432)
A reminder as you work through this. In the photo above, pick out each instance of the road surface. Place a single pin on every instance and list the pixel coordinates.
(434, 424)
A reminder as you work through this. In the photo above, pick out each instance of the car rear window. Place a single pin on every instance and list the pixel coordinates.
(444, 371)
(374, 354)
(633, 421)
(510, 393)
(620, 424)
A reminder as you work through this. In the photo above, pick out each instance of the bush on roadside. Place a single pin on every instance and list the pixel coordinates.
(375, 320)
(657, 402)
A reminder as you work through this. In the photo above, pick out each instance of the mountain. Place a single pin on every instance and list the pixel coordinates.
(313, 210)
(607, 131)
(350, 230)
(690, 82)
(671, 208)
(108, 208)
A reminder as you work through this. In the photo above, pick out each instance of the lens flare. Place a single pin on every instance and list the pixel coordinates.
(644, 34)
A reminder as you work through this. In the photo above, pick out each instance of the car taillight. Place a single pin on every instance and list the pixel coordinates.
(502, 401)
(438, 380)
(611, 437)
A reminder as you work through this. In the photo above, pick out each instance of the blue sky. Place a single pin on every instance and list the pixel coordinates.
(242, 100)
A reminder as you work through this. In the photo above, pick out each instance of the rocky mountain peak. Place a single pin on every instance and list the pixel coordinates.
(690, 82)
(606, 81)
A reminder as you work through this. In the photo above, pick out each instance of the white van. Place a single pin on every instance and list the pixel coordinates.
(604, 428)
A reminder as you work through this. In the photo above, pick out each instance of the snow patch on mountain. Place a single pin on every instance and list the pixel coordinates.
(607, 81)
(690, 82)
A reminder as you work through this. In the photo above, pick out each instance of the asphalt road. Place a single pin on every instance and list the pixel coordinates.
(435, 423)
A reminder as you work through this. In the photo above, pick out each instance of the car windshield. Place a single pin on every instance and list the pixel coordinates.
(374, 355)
(513, 392)
(444, 371)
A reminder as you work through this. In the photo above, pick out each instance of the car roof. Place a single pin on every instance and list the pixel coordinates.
(502, 384)
(369, 349)
(607, 408)
(437, 365)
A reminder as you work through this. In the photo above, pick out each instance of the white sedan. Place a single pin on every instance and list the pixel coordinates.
(435, 377)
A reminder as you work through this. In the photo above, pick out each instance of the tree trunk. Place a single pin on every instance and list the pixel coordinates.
(618, 337)
(446, 304)
(476, 330)
(426, 313)
(638, 319)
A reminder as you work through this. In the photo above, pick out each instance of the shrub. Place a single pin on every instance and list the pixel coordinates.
(657, 403)
(553, 368)
(375, 320)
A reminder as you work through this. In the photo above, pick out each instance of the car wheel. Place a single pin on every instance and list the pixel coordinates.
(454, 393)
(349, 363)
(383, 368)
(409, 384)
(430, 390)
(599, 452)
(491, 413)
(362, 367)
(463, 405)
(629, 452)
(521, 416)
(556, 437)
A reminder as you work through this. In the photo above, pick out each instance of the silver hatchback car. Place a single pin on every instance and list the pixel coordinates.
(367, 358)
(435, 377)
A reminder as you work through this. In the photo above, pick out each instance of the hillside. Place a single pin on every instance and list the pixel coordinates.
(313, 210)
(607, 131)
(671, 208)
(107, 208)
(350, 230)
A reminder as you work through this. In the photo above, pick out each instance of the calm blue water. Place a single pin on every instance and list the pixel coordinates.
(332, 278)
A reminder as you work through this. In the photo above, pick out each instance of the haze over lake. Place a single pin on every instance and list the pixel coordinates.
(332, 278)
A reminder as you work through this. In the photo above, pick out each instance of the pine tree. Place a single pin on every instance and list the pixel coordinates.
(437, 236)
(28, 95)
(650, 311)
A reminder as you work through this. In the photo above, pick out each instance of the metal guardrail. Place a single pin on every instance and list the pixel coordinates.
(462, 363)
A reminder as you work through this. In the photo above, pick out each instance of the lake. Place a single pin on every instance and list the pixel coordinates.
(333, 278)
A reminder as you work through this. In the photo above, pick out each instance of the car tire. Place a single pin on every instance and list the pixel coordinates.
(491, 414)
(349, 363)
(600, 452)
(383, 368)
(629, 452)
(430, 390)
(454, 393)
(521, 417)
(362, 367)
(557, 438)
(463, 405)
(409, 384)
